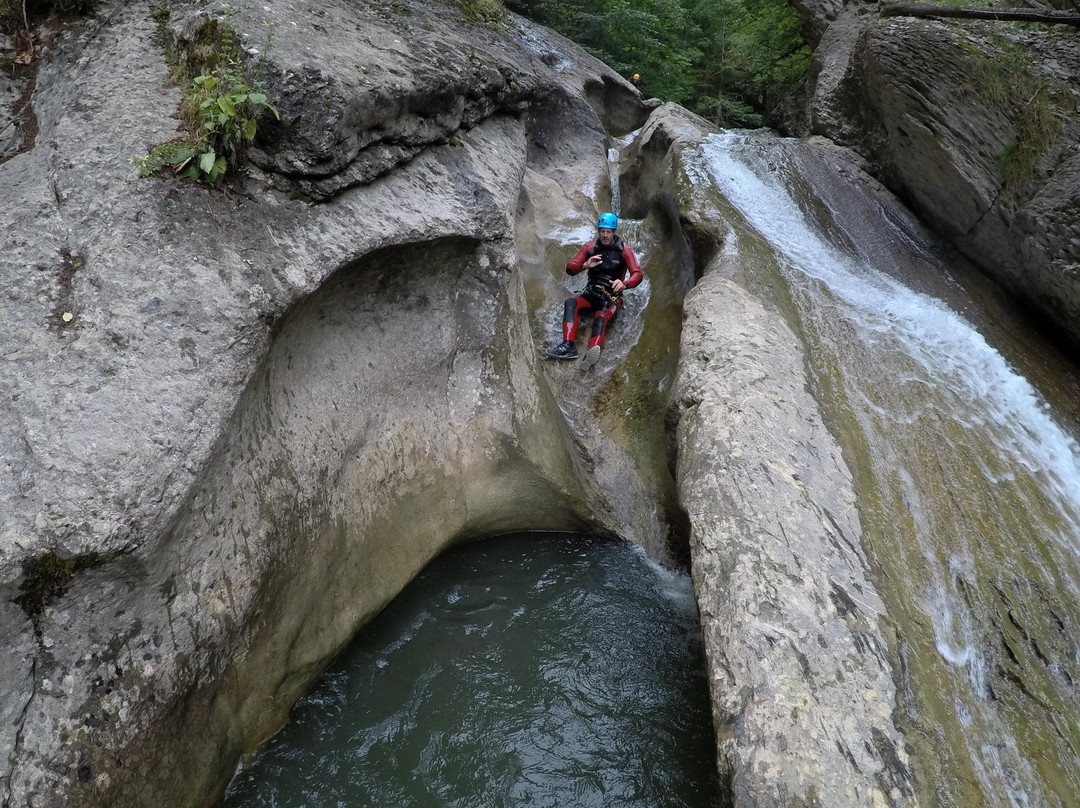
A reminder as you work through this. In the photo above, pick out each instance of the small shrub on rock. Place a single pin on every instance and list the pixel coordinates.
(219, 110)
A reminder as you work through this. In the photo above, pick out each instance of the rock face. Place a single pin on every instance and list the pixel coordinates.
(800, 669)
(798, 664)
(974, 125)
(237, 423)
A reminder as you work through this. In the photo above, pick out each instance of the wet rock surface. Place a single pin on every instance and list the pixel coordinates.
(974, 125)
(243, 419)
(800, 665)
(798, 662)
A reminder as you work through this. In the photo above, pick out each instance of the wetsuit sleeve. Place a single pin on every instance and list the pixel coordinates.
(573, 266)
(631, 264)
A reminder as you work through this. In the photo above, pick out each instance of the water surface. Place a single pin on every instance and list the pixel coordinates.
(532, 670)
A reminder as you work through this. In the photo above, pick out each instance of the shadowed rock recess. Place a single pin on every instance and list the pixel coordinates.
(237, 422)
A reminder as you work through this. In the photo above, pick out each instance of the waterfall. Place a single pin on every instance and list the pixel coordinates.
(969, 479)
(614, 154)
(613, 173)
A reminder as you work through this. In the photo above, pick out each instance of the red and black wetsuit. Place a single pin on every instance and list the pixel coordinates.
(598, 295)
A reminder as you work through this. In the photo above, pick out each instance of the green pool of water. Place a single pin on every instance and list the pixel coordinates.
(530, 670)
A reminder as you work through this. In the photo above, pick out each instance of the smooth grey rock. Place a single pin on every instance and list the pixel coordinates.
(799, 667)
(362, 88)
(264, 416)
(801, 674)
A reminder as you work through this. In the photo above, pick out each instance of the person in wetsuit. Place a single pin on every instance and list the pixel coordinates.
(612, 269)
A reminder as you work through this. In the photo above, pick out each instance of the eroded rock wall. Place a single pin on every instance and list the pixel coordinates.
(799, 667)
(801, 673)
(974, 125)
(248, 417)
(243, 421)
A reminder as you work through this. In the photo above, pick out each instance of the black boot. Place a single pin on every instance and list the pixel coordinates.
(564, 350)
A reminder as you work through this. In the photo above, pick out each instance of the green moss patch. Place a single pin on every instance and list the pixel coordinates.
(483, 10)
(46, 578)
(1038, 105)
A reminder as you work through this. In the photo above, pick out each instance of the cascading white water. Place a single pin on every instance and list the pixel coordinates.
(613, 172)
(970, 483)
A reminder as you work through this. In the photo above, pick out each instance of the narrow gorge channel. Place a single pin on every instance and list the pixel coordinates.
(536, 668)
(240, 422)
(955, 422)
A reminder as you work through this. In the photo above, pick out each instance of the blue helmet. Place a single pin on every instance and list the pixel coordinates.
(607, 221)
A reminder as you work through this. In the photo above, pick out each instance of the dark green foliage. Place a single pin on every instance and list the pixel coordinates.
(755, 56)
(731, 61)
(491, 11)
(219, 109)
(40, 8)
(1003, 78)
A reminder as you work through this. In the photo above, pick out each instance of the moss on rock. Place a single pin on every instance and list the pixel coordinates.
(46, 579)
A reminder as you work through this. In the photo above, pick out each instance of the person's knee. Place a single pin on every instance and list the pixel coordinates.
(570, 310)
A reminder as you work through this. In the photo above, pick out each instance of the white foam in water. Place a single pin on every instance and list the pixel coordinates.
(962, 713)
(952, 353)
(676, 586)
(993, 765)
(956, 640)
(613, 169)
(961, 372)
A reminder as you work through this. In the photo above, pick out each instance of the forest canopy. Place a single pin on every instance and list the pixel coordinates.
(731, 61)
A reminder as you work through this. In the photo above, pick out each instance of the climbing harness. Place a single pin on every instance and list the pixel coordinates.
(600, 289)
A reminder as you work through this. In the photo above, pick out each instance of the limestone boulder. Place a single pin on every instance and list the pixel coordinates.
(800, 667)
(818, 15)
(363, 88)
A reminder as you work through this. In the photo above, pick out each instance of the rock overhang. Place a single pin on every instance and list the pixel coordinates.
(392, 82)
(179, 297)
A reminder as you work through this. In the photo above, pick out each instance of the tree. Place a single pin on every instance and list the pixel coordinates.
(754, 55)
(1002, 14)
(727, 60)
